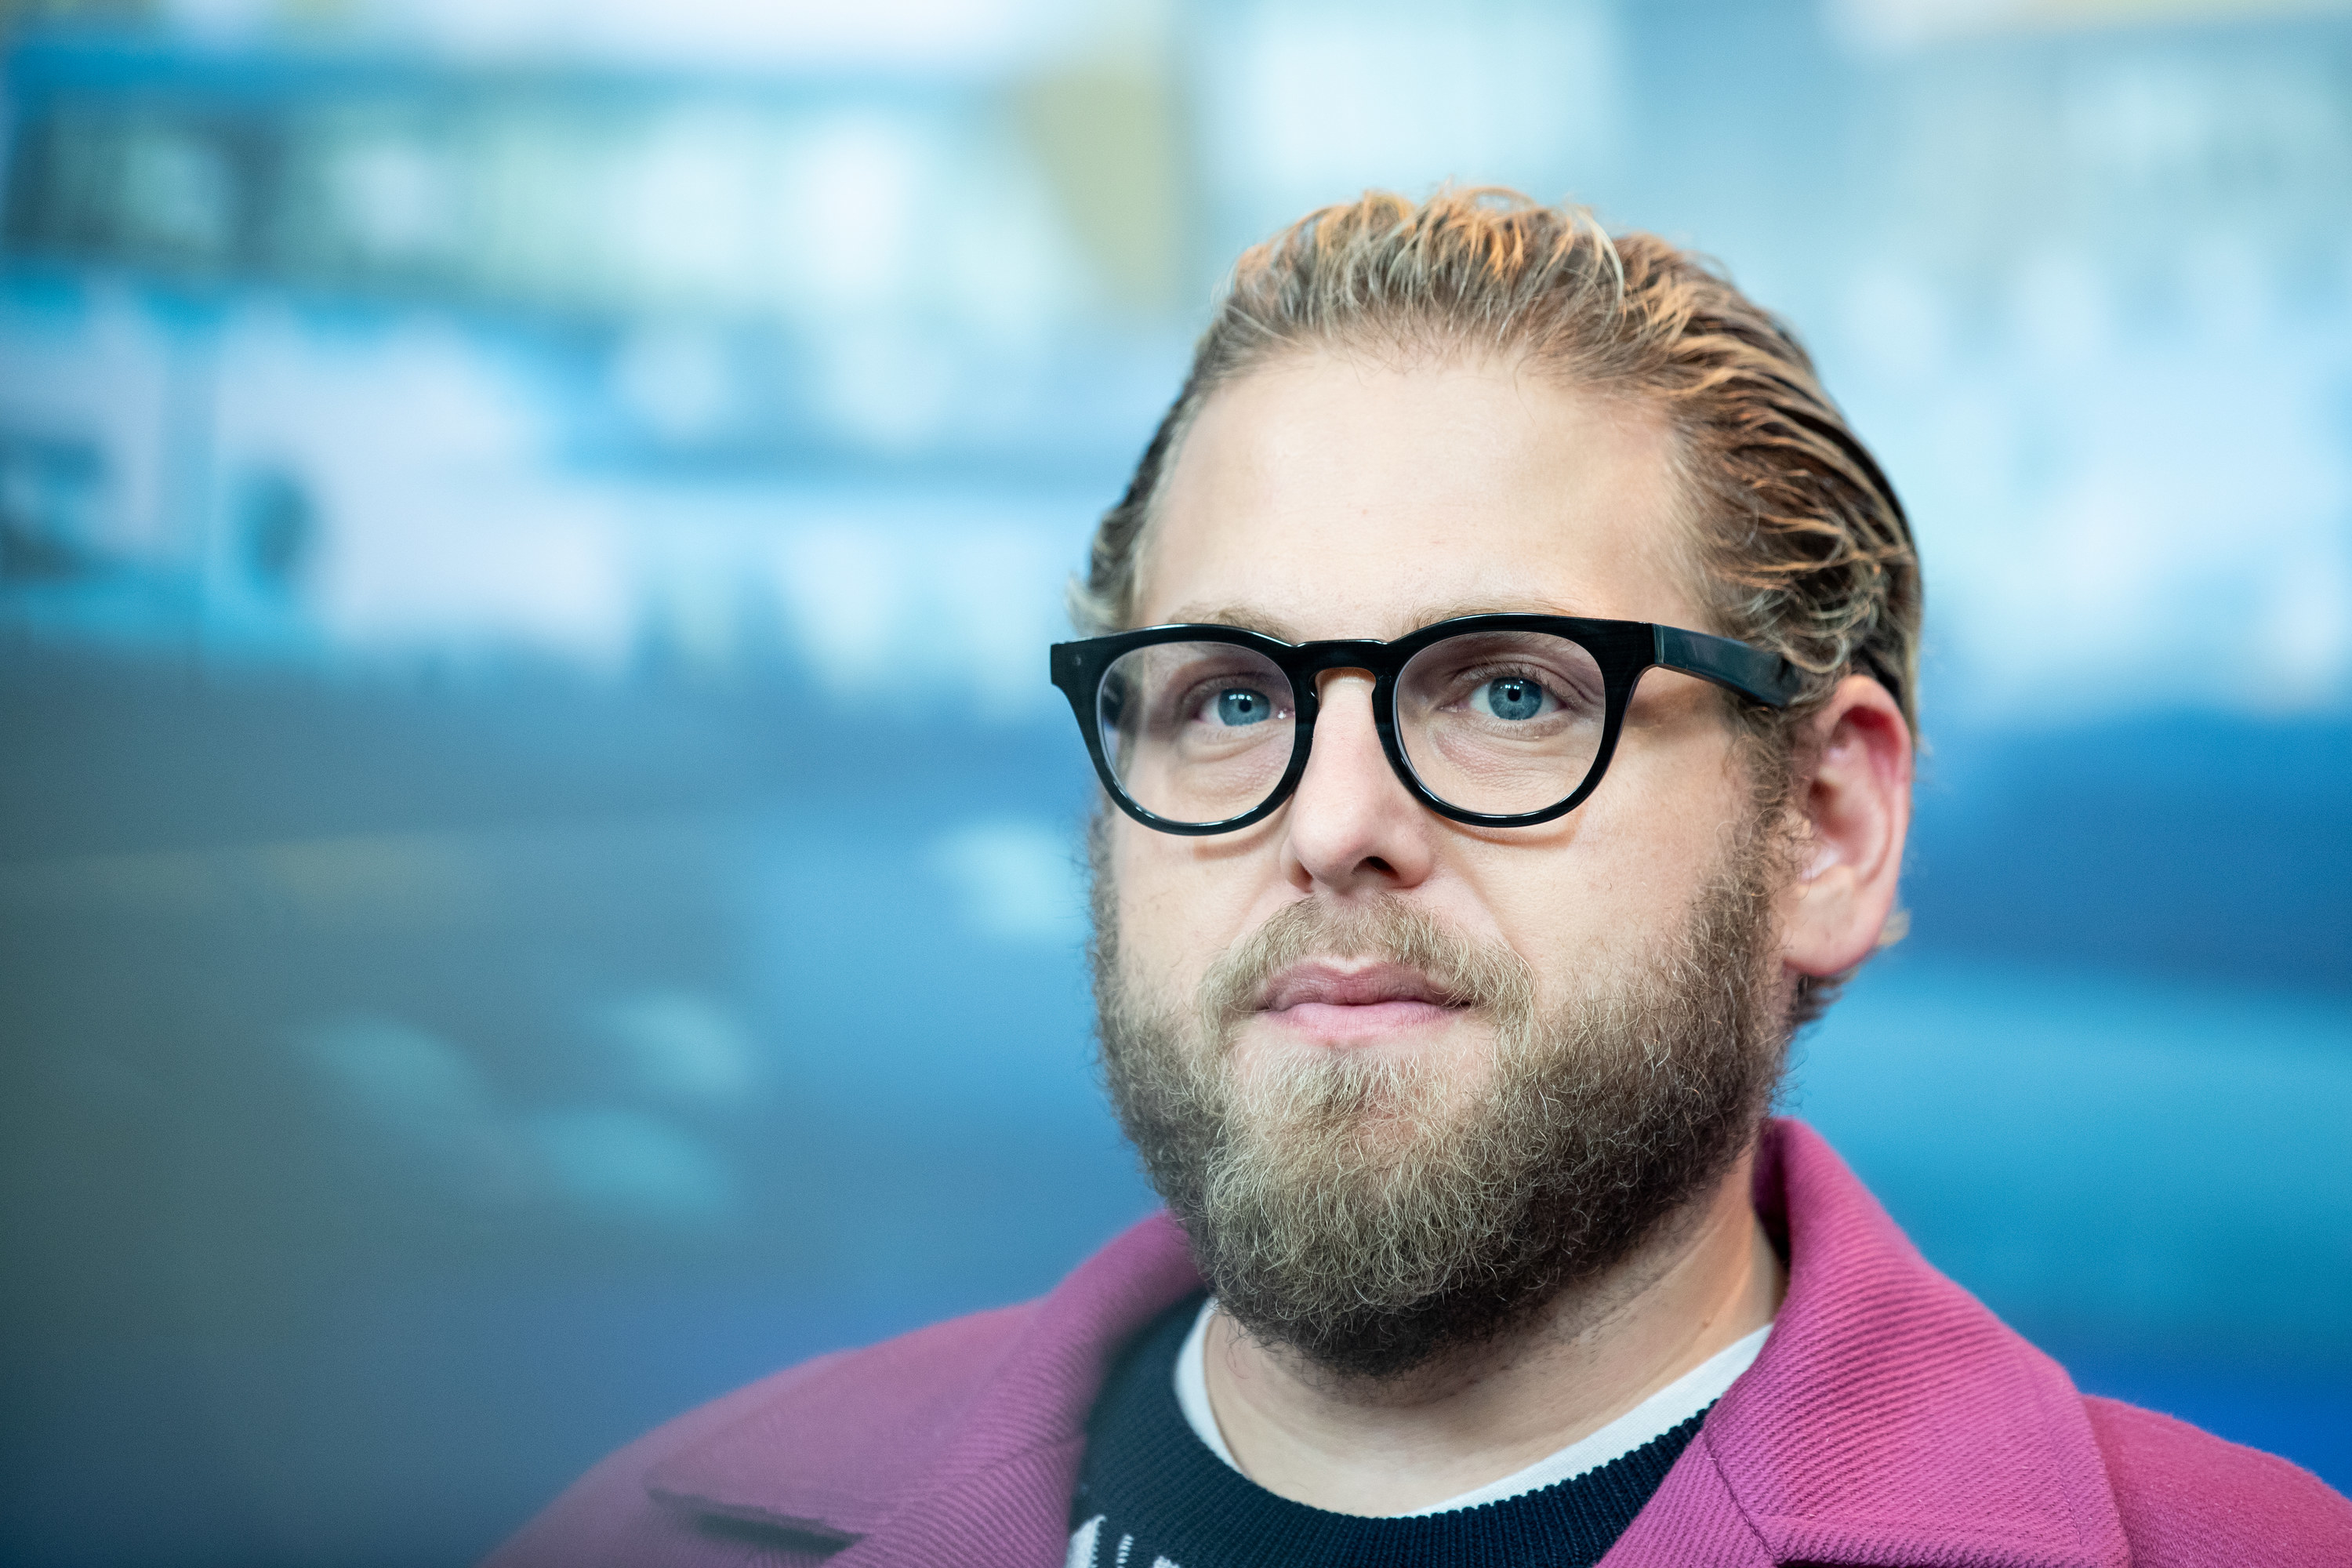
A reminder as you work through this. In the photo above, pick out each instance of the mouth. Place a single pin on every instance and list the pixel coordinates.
(1338, 1004)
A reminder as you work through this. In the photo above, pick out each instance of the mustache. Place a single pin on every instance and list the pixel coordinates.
(1485, 976)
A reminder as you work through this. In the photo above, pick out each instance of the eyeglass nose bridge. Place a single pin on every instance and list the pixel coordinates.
(1308, 662)
(1306, 665)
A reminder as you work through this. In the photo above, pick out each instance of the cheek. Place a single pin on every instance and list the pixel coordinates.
(1623, 874)
(1166, 908)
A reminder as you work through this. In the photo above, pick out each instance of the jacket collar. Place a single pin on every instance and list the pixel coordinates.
(1891, 1419)
(958, 1442)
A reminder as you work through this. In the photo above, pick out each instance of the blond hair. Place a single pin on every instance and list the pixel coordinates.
(1805, 549)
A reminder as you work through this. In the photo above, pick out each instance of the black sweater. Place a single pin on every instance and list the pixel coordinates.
(1154, 1493)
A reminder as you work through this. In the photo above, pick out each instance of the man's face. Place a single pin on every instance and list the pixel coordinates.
(1331, 498)
(1372, 1055)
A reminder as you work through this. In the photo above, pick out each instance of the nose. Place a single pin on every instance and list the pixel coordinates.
(1351, 827)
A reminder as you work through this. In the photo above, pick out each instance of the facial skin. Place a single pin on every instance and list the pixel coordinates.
(1333, 497)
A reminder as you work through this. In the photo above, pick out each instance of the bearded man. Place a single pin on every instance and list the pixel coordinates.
(1500, 680)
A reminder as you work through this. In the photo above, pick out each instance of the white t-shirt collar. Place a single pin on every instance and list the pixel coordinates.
(1652, 1419)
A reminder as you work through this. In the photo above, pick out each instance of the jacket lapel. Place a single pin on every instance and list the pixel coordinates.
(1892, 1420)
(1000, 1492)
(916, 1452)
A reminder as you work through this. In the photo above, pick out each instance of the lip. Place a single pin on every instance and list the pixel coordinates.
(1338, 986)
(1335, 1004)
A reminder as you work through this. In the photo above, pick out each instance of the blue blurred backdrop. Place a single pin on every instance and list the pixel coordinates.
(500, 939)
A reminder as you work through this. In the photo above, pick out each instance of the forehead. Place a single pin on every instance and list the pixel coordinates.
(1331, 496)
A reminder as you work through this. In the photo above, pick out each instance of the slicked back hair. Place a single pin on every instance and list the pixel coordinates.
(1804, 548)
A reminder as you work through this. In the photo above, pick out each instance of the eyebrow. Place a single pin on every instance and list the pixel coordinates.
(1241, 615)
(1267, 623)
(1429, 616)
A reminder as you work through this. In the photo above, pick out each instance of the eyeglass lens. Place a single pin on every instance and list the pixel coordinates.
(1502, 723)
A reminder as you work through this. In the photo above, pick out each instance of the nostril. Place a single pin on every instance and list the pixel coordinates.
(1374, 863)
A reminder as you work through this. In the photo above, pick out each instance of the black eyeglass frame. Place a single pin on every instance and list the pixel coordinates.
(1623, 649)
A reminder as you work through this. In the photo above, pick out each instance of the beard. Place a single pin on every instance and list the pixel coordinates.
(1372, 1212)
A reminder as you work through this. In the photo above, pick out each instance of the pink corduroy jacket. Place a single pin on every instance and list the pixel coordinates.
(1890, 1420)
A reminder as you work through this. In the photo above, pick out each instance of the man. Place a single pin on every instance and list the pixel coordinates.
(1502, 692)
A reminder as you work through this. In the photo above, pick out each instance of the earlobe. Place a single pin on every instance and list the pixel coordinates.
(1855, 801)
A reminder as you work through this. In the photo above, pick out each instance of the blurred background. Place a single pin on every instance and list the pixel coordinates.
(536, 856)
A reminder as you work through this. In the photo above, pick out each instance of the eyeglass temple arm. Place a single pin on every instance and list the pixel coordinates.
(1760, 677)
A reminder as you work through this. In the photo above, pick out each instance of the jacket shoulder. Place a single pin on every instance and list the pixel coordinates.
(652, 1503)
(2190, 1500)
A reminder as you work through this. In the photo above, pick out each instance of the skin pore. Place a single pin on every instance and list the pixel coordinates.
(1335, 496)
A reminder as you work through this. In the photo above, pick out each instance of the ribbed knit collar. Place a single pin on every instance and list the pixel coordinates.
(1891, 1420)
(1150, 1489)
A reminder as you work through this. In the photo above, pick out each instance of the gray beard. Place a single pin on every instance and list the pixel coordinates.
(1372, 1216)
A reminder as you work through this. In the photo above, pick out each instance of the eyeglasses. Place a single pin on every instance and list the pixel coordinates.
(1498, 720)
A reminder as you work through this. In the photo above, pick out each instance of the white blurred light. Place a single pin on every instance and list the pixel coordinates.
(1325, 99)
(679, 379)
(2302, 635)
(684, 1047)
(1901, 25)
(2162, 524)
(626, 1165)
(104, 377)
(451, 565)
(2229, 294)
(903, 621)
(440, 532)
(997, 596)
(2062, 307)
(957, 35)
(179, 192)
(1019, 881)
(424, 1105)
(1898, 325)
(222, 19)
(886, 384)
(395, 194)
(424, 1110)
(847, 589)
(852, 185)
(691, 208)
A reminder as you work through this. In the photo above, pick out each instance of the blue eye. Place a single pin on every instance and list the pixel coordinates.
(1239, 705)
(1512, 697)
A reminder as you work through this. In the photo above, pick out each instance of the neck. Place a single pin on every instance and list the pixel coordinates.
(1708, 1280)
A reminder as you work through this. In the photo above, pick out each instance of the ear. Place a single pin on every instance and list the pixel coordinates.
(1855, 802)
